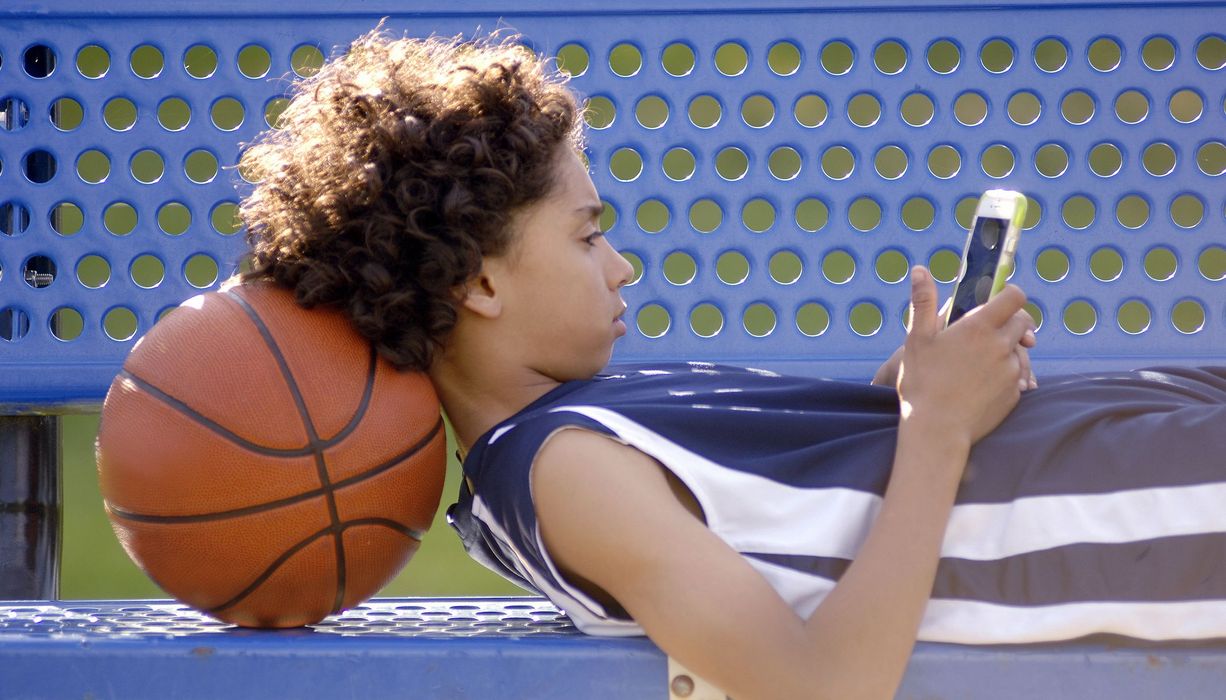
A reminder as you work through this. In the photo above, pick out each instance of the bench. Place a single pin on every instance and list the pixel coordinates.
(770, 168)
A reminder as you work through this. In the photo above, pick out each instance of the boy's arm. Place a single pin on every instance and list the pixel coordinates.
(608, 516)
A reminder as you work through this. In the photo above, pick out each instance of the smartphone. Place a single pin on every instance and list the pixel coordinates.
(988, 255)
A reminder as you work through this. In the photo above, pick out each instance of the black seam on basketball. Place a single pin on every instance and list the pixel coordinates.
(336, 531)
(388, 523)
(222, 432)
(321, 466)
(272, 569)
(371, 369)
(209, 424)
(417, 447)
(271, 344)
(282, 502)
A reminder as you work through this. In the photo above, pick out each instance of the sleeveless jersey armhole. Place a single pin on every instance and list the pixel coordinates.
(575, 591)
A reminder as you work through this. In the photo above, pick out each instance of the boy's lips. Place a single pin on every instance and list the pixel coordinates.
(618, 323)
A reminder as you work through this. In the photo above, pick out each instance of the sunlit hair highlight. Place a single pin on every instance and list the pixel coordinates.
(394, 170)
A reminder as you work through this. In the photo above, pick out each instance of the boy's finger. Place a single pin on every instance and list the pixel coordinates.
(1028, 338)
(923, 303)
(1001, 308)
(1026, 374)
(1017, 328)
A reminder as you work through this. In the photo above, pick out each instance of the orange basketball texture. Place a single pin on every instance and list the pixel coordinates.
(263, 464)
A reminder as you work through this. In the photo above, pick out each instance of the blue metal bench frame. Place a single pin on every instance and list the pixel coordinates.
(1142, 244)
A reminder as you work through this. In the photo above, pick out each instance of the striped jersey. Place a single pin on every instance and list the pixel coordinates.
(1097, 506)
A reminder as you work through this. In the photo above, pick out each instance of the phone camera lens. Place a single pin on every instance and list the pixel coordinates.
(989, 233)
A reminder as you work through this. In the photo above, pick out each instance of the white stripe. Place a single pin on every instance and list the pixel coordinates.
(802, 592)
(832, 522)
(828, 522)
(974, 622)
(993, 531)
(499, 433)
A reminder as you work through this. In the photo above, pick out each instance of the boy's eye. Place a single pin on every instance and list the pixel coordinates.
(591, 239)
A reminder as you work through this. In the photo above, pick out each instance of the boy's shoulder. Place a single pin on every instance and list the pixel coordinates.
(591, 492)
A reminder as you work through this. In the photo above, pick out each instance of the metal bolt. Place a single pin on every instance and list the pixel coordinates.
(39, 279)
(682, 686)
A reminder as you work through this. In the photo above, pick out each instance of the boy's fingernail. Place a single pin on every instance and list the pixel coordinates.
(1022, 384)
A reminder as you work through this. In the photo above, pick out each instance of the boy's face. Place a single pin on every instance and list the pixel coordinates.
(559, 285)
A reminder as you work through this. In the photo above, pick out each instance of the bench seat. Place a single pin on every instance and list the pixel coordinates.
(507, 647)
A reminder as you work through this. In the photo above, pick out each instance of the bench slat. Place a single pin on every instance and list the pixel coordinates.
(490, 648)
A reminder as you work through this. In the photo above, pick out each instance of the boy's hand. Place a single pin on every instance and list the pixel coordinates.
(966, 378)
(887, 373)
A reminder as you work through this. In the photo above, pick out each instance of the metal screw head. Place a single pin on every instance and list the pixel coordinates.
(682, 686)
(39, 279)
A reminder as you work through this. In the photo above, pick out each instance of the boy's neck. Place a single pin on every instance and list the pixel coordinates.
(478, 395)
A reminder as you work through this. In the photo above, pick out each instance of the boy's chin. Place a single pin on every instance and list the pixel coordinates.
(585, 371)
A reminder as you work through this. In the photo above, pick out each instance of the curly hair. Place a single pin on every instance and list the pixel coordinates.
(394, 170)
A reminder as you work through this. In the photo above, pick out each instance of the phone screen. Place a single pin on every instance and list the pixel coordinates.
(981, 259)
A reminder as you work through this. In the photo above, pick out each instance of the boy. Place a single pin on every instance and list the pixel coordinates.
(433, 190)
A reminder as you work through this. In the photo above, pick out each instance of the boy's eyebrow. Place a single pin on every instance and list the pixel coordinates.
(592, 211)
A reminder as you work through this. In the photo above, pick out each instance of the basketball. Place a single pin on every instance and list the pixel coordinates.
(263, 464)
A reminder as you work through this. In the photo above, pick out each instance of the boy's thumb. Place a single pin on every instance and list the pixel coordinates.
(923, 302)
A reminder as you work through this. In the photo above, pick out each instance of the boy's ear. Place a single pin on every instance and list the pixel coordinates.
(479, 296)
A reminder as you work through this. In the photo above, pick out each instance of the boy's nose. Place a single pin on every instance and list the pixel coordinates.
(625, 271)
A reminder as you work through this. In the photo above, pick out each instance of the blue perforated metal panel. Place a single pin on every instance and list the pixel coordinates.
(895, 118)
(487, 648)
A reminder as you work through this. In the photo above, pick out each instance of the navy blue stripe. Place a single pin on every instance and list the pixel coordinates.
(1166, 569)
(1119, 431)
(826, 567)
(1190, 567)
(806, 433)
(1074, 435)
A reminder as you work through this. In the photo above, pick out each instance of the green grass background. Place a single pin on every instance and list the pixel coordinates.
(93, 565)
